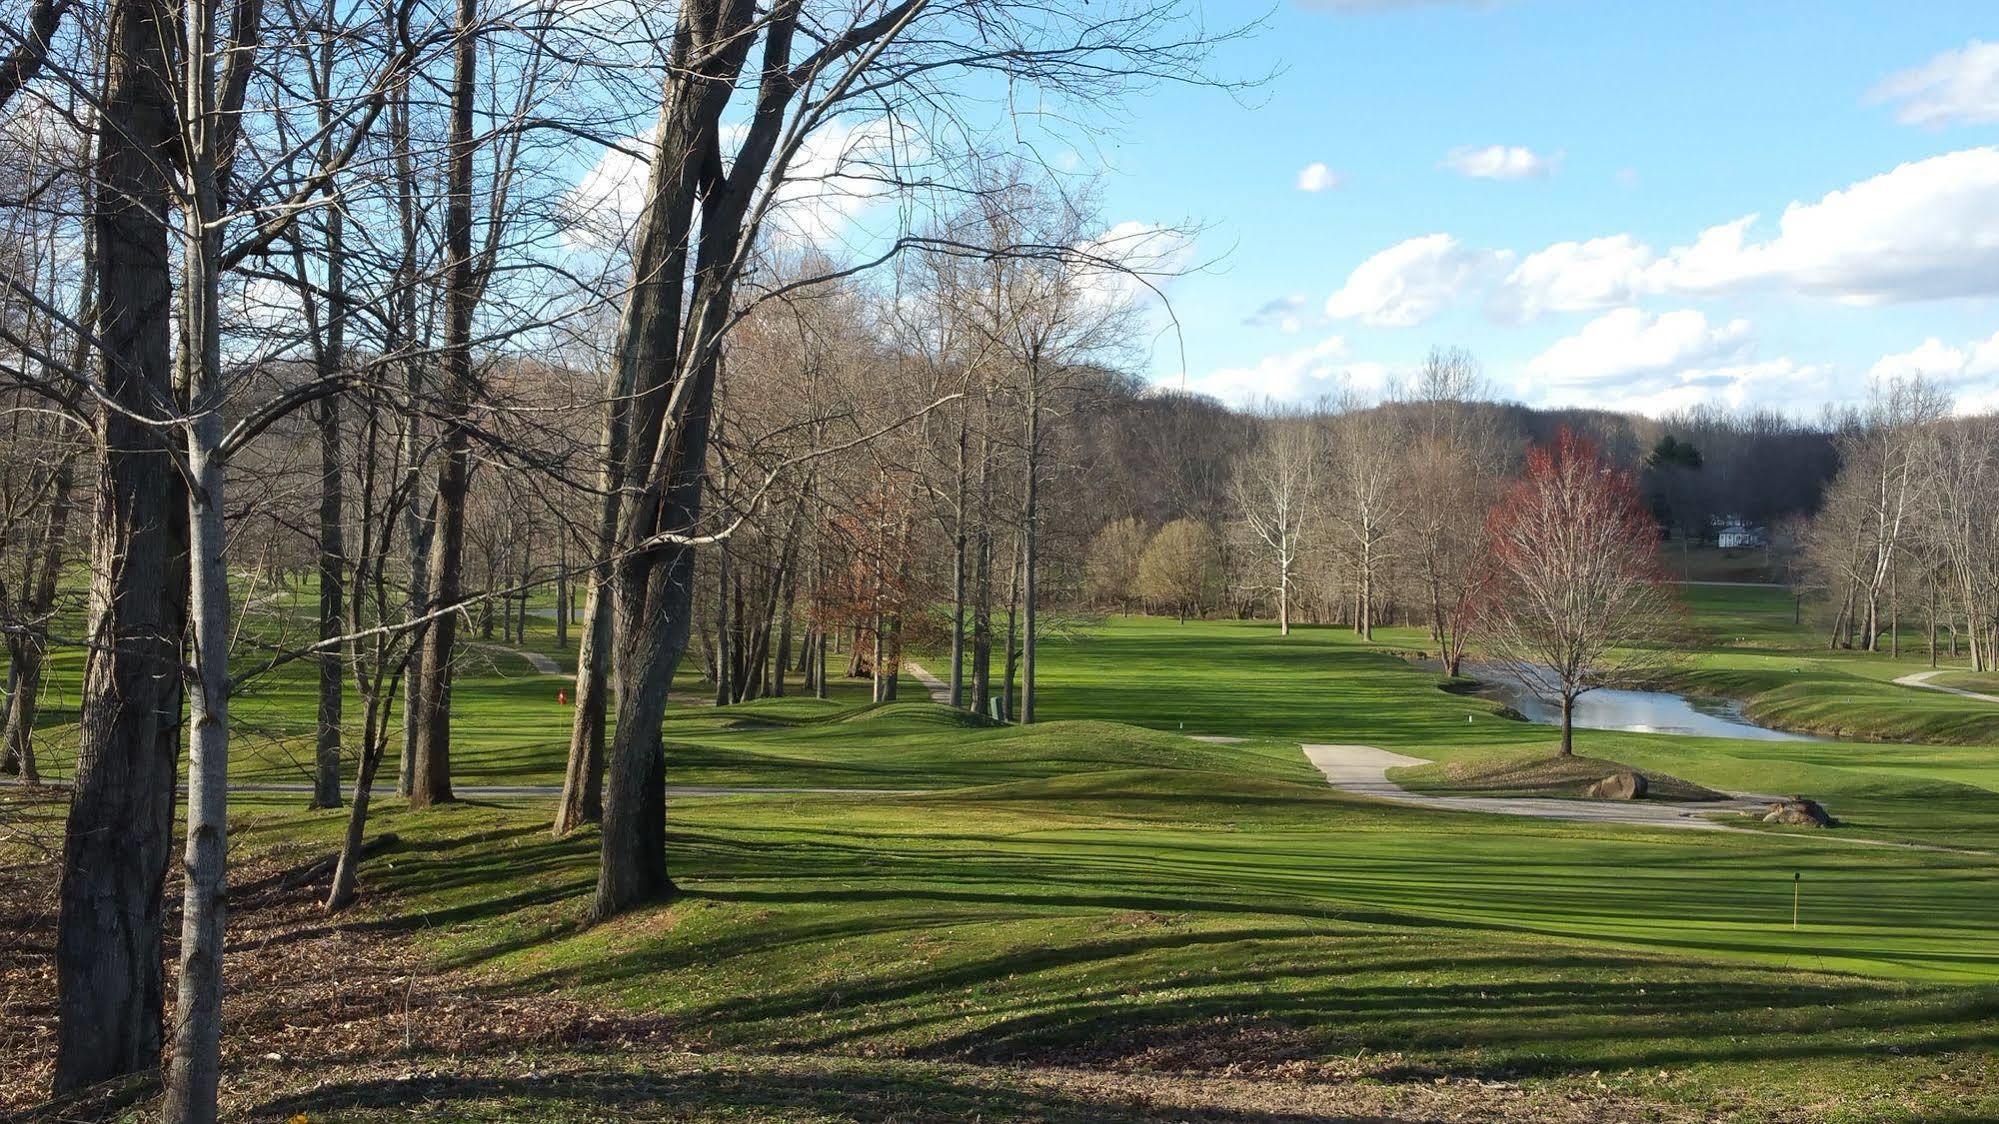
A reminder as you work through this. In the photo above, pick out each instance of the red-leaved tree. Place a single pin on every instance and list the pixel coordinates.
(1574, 597)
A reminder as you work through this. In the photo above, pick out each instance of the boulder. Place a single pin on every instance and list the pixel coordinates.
(1798, 812)
(1619, 786)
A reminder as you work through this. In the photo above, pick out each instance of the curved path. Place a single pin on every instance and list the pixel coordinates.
(541, 664)
(940, 691)
(1922, 679)
(1363, 771)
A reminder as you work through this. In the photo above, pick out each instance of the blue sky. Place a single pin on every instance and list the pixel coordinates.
(1468, 142)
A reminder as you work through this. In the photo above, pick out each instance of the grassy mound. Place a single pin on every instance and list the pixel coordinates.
(1542, 776)
(922, 745)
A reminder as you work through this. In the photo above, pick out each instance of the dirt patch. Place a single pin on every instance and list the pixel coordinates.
(644, 1085)
(303, 990)
(1550, 776)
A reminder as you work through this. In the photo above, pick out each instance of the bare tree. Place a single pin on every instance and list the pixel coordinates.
(1455, 464)
(1275, 489)
(681, 306)
(1365, 502)
(1575, 598)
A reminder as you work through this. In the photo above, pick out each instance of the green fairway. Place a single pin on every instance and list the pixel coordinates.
(1102, 890)
(1135, 905)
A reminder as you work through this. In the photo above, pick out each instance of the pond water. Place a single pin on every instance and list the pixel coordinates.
(1646, 712)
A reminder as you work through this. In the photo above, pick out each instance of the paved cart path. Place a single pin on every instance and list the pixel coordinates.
(1363, 771)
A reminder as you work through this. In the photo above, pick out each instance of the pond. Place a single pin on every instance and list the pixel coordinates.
(1645, 712)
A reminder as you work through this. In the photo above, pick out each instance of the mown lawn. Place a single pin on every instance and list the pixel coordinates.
(1155, 903)
(1103, 892)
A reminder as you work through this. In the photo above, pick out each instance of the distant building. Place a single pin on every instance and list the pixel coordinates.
(1734, 534)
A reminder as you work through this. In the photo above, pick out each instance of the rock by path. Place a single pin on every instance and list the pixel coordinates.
(1922, 679)
(940, 691)
(1363, 771)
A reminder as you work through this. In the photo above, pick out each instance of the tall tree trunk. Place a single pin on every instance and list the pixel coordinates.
(432, 782)
(782, 662)
(1568, 726)
(332, 549)
(819, 676)
(583, 779)
(197, 1044)
(197, 1054)
(1030, 544)
(1284, 595)
(725, 652)
(117, 838)
(958, 562)
(982, 584)
(346, 870)
(10, 758)
(416, 523)
(1008, 706)
(26, 652)
(561, 589)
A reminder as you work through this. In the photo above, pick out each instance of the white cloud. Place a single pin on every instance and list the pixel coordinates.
(606, 201)
(1627, 343)
(1776, 382)
(1129, 262)
(1292, 376)
(1925, 230)
(1411, 281)
(1938, 360)
(1500, 162)
(1574, 276)
(1978, 402)
(1286, 314)
(1955, 87)
(840, 171)
(1316, 177)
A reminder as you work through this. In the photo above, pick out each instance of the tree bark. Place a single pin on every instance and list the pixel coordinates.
(432, 781)
(958, 563)
(561, 589)
(346, 871)
(117, 837)
(416, 525)
(26, 652)
(1030, 546)
(583, 779)
(332, 550)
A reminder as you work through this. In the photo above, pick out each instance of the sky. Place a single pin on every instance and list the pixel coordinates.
(1635, 206)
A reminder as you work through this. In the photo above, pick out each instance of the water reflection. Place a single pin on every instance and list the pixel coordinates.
(1646, 712)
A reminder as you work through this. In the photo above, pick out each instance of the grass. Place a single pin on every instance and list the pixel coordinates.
(1156, 915)
(1787, 677)
(1984, 682)
(1101, 892)
(1541, 776)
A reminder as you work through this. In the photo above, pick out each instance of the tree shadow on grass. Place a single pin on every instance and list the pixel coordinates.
(905, 1095)
(1023, 956)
